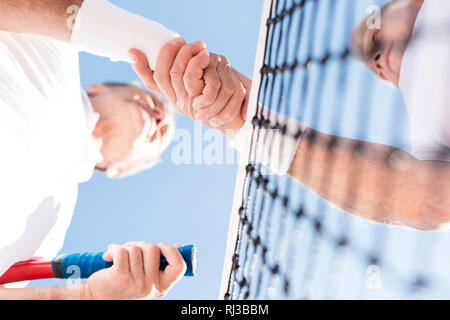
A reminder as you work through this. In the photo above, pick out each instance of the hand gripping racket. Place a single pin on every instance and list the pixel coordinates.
(80, 265)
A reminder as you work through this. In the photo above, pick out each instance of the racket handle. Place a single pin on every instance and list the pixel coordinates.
(83, 265)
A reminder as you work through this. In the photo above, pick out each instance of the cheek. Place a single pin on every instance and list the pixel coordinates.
(128, 124)
(396, 60)
(119, 138)
(396, 26)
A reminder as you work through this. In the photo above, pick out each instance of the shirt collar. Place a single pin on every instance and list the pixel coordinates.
(92, 152)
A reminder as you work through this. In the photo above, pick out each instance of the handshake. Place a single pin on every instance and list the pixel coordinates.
(200, 85)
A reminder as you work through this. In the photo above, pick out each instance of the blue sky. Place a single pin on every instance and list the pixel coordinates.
(170, 203)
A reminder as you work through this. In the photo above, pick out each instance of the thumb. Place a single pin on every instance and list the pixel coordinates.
(139, 64)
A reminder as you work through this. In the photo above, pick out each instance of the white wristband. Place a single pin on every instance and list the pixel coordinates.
(104, 29)
(274, 149)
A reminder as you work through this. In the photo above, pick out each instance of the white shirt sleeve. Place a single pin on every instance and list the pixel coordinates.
(104, 29)
(273, 148)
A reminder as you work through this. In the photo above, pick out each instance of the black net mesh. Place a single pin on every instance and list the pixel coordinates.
(291, 243)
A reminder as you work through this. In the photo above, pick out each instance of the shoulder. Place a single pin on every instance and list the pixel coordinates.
(425, 82)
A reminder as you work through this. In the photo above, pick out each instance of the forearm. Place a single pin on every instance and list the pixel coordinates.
(50, 18)
(72, 292)
(373, 181)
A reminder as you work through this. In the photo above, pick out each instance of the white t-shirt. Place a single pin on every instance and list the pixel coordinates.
(46, 145)
(425, 82)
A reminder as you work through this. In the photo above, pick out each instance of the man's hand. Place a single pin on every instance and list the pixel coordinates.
(202, 86)
(168, 77)
(135, 272)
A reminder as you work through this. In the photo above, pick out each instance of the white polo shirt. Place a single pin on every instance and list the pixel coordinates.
(46, 145)
(425, 82)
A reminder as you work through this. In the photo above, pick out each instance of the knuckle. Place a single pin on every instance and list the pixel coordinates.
(163, 293)
(145, 245)
(229, 89)
(225, 117)
(158, 77)
(136, 249)
(181, 268)
(190, 77)
(224, 59)
(169, 46)
(188, 48)
(176, 72)
(141, 244)
(205, 104)
(151, 248)
(241, 92)
(215, 84)
(172, 47)
(122, 251)
(214, 58)
(209, 102)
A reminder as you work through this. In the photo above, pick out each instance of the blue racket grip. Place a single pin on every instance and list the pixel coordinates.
(83, 265)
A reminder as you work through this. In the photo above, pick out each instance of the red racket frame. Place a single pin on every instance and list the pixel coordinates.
(33, 269)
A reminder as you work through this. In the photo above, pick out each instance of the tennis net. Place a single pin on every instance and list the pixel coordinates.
(285, 240)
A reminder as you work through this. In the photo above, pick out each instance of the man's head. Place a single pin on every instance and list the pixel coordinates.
(382, 49)
(134, 129)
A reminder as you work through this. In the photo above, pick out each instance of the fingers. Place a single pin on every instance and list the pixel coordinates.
(193, 77)
(233, 107)
(140, 66)
(226, 92)
(164, 64)
(119, 256)
(175, 269)
(247, 83)
(136, 268)
(178, 70)
(212, 84)
(136, 263)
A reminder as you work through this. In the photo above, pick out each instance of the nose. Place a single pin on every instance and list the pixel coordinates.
(379, 70)
(376, 59)
(156, 111)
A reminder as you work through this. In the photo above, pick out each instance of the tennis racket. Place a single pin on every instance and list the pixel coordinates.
(80, 265)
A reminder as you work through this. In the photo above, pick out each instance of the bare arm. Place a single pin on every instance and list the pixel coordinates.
(50, 18)
(374, 181)
(377, 182)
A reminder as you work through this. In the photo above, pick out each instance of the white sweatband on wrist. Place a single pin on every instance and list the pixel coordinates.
(106, 30)
(274, 149)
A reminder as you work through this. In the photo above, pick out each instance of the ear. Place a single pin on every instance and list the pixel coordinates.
(114, 171)
(95, 89)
